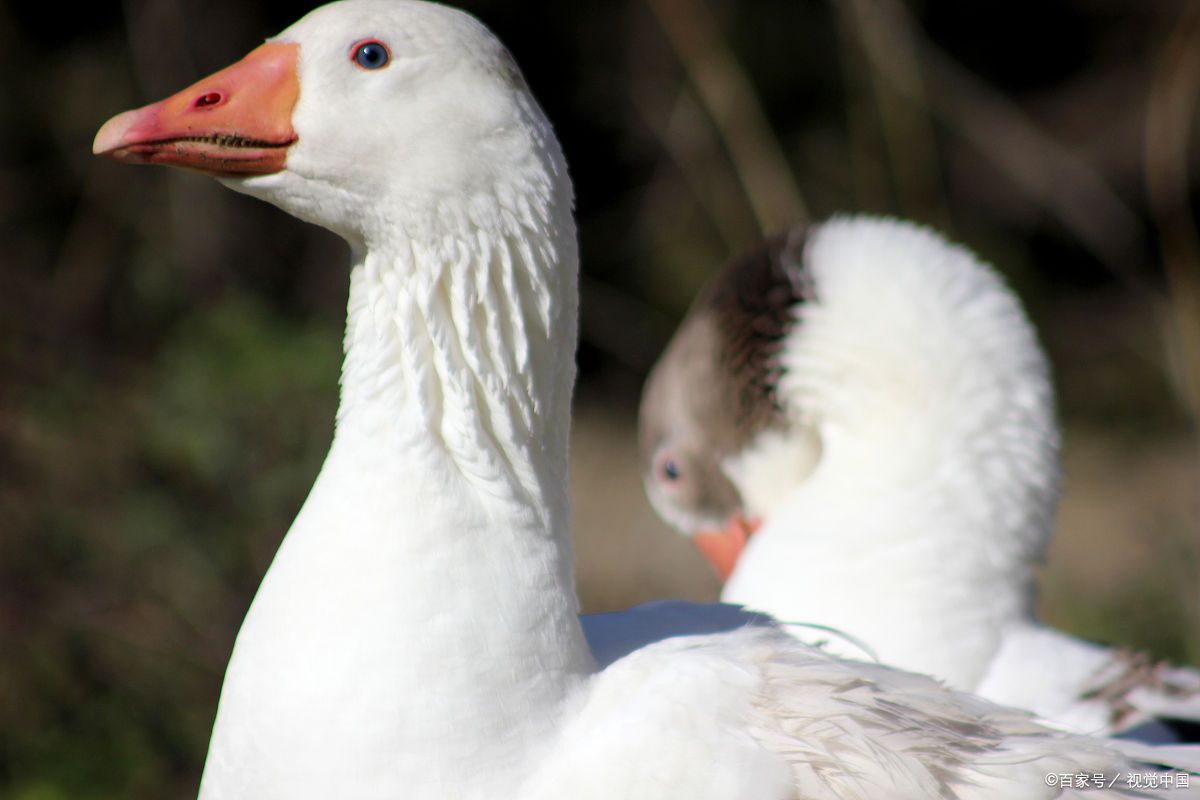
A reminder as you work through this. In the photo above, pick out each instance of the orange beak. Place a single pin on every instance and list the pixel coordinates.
(235, 122)
(723, 548)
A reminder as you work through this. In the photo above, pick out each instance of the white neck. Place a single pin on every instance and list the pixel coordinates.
(464, 349)
(934, 490)
(418, 626)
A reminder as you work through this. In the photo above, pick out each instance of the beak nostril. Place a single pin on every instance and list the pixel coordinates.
(208, 99)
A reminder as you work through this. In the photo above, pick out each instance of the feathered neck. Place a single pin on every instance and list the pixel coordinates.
(419, 623)
(463, 348)
(934, 491)
(462, 319)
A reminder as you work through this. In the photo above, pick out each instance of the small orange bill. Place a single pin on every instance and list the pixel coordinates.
(723, 548)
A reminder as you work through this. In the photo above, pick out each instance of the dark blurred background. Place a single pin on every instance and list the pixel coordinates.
(169, 350)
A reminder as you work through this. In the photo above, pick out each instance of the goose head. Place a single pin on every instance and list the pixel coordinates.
(710, 416)
(406, 128)
(365, 117)
(857, 360)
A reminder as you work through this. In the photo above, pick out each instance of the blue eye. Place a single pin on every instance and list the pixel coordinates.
(371, 54)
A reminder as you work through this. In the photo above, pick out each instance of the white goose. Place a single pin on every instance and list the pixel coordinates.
(877, 399)
(416, 635)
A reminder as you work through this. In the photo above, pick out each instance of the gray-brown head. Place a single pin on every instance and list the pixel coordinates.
(713, 392)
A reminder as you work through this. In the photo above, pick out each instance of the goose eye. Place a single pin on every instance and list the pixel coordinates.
(371, 54)
(670, 470)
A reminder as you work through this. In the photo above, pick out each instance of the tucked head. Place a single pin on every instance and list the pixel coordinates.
(712, 396)
(363, 110)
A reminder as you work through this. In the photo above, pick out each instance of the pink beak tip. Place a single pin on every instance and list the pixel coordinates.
(114, 133)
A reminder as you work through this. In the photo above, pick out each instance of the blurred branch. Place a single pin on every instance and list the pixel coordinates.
(1169, 115)
(872, 189)
(731, 102)
(693, 148)
(903, 112)
(1049, 173)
